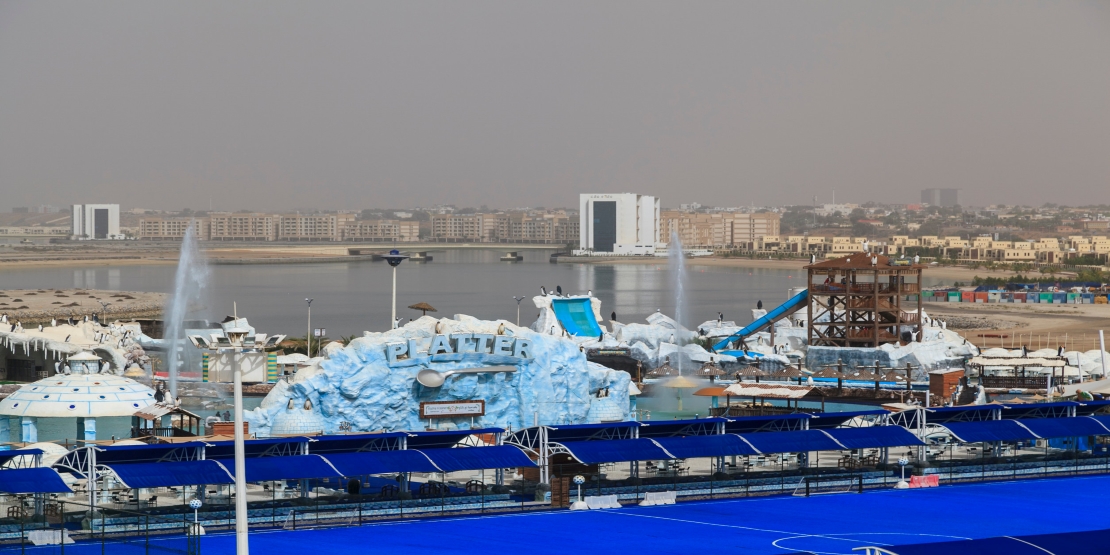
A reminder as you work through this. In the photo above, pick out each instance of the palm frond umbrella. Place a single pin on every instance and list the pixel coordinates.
(423, 307)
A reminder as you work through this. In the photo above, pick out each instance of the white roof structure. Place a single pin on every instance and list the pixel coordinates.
(769, 391)
(78, 395)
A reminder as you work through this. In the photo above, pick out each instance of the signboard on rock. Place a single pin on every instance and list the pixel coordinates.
(452, 409)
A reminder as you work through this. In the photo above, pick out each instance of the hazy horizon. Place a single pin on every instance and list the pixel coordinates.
(282, 105)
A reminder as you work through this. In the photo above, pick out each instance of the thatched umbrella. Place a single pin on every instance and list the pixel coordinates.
(423, 307)
(664, 371)
(790, 372)
(710, 370)
(750, 372)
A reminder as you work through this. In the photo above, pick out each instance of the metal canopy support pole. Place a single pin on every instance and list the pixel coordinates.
(393, 319)
(545, 471)
(241, 544)
(1102, 352)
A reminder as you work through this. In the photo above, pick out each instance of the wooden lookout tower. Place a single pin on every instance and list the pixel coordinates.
(864, 300)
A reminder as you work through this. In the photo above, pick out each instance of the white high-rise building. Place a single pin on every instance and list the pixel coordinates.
(96, 221)
(623, 224)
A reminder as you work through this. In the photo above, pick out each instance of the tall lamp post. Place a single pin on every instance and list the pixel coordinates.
(308, 334)
(394, 258)
(233, 344)
(518, 299)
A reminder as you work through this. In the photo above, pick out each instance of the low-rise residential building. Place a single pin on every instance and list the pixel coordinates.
(312, 227)
(402, 231)
(173, 228)
(243, 226)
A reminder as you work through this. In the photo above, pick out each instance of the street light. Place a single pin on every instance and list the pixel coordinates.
(518, 299)
(233, 344)
(394, 258)
(308, 334)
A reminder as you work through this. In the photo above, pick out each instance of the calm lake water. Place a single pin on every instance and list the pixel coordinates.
(353, 297)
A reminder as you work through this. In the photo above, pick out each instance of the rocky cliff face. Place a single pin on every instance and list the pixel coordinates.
(359, 388)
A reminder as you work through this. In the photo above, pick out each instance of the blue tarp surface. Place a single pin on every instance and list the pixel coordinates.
(576, 316)
(619, 450)
(32, 480)
(300, 467)
(792, 442)
(706, 446)
(478, 458)
(1065, 427)
(380, 462)
(171, 474)
(989, 430)
(874, 436)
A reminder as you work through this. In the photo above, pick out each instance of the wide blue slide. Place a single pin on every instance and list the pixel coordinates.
(576, 316)
(782, 311)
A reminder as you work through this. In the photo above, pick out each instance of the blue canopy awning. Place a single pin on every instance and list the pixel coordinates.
(299, 467)
(692, 447)
(1065, 427)
(478, 458)
(380, 462)
(147, 453)
(581, 432)
(745, 424)
(444, 438)
(824, 420)
(669, 428)
(989, 430)
(874, 436)
(252, 447)
(349, 443)
(939, 415)
(6, 456)
(616, 450)
(32, 480)
(171, 474)
(792, 442)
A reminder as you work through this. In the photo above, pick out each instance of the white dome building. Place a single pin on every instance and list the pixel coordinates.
(82, 393)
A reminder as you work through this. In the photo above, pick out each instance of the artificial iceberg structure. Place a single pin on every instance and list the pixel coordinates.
(493, 374)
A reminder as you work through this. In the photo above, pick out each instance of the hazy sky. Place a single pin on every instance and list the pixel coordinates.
(276, 105)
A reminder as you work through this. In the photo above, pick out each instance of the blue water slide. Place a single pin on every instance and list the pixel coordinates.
(576, 315)
(785, 309)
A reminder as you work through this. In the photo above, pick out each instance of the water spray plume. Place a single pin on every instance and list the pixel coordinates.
(676, 260)
(188, 284)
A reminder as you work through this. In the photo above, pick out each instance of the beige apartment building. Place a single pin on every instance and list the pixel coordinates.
(173, 228)
(471, 227)
(243, 226)
(312, 227)
(382, 230)
(717, 230)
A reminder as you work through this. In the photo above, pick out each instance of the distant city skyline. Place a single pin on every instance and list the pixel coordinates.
(292, 105)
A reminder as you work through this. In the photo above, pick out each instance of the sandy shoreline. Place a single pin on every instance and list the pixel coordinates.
(948, 273)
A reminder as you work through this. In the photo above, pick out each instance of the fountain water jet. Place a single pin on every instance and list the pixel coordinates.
(188, 284)
(676, 260)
